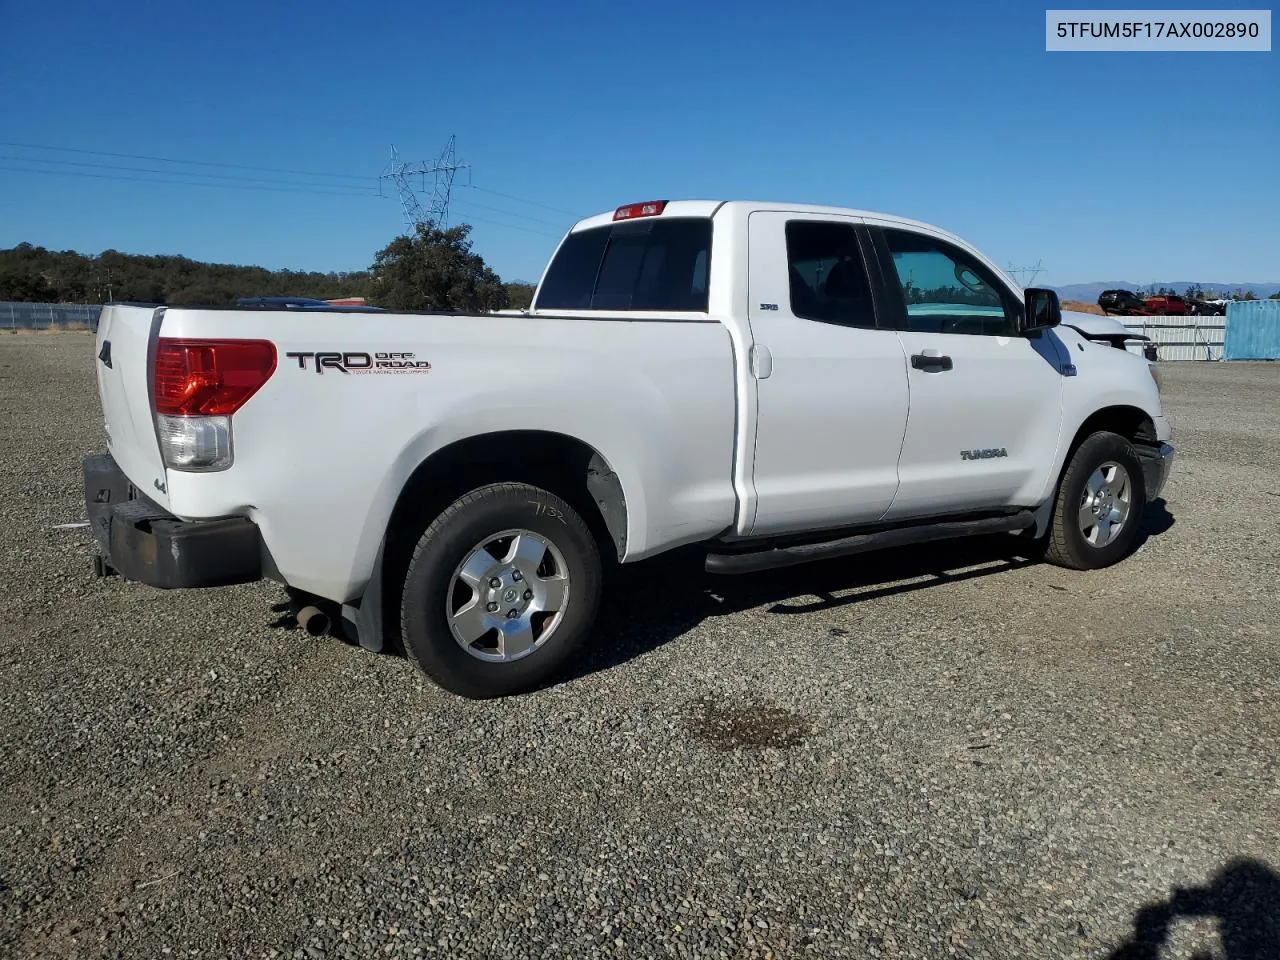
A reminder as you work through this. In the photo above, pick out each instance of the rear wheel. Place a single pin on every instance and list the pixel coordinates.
(1099, 505)
(502, 589)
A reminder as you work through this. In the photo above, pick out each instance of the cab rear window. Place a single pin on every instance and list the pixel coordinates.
(650, 264)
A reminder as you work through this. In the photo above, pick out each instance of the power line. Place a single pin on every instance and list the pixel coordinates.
(238, 186)
(184, 173)
(512, 226)
(250, 167)
(532, 203)
(511, 213)
(198, 163)
(187, 183)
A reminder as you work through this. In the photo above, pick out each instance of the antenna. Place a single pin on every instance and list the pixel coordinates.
(442, 171)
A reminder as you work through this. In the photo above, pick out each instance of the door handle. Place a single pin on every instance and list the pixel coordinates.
(761, 361)
(923, 361)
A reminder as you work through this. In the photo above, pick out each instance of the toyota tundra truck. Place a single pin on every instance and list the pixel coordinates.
(765, 384)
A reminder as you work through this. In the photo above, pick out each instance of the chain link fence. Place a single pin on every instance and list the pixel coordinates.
(49, 316)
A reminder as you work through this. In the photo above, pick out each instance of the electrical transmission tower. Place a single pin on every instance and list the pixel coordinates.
(410, 180)
(1030, 272)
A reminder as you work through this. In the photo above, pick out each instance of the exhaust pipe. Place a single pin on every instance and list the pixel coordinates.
(313, 620)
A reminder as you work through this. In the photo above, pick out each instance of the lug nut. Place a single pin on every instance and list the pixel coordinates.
(528, 594)
(492, 608)
(495, 582)
(515, 575)
(512, 614)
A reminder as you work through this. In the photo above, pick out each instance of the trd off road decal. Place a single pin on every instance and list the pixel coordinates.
(358, 362)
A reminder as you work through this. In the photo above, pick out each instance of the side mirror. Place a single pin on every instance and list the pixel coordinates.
(1042, 309)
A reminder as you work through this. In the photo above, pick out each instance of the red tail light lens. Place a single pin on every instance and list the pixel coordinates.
(209, 377)
(651, 208)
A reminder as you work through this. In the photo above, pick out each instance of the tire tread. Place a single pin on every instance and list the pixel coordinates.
(1063, 546)
(493, 492)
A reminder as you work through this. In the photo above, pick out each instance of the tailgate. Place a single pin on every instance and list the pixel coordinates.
(125, 338)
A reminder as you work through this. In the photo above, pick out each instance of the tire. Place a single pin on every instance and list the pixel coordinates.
(482, 641)
(1070, 542)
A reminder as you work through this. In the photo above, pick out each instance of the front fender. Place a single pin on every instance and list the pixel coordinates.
(1107, 383)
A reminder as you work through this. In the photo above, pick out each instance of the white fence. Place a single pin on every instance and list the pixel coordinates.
(1180, 338)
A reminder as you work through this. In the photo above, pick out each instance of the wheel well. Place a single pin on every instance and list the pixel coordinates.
(1132, 423)
(553, 461)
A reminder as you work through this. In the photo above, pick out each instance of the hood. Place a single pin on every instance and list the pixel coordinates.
(1098, 328)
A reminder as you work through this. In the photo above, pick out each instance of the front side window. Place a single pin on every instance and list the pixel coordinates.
(827, 277)
(643, 264)
(946, 290)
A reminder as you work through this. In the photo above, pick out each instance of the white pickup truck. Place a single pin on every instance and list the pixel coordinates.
(775, 383)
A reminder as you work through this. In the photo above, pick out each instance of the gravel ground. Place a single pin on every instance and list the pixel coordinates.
(932, 753)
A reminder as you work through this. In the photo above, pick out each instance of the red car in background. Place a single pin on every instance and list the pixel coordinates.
(1167, 305)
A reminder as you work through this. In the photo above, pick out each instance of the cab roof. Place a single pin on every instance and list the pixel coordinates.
(659, 209)
(708, 208)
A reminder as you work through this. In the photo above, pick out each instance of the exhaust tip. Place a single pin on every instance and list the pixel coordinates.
(313, 620)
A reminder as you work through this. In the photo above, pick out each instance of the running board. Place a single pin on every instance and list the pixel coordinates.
(771, 559)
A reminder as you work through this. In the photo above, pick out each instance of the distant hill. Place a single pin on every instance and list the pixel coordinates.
(63, 276)
(1088, 292)
(30, 273)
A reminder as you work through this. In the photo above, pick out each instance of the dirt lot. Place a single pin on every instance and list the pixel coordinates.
(927, 754)
(1081, 306)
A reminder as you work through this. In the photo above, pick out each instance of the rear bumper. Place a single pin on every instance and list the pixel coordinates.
(144, 542)
(1156, 465)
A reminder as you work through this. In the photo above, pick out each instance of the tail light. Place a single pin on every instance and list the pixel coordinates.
(631, 211)
(196, 386)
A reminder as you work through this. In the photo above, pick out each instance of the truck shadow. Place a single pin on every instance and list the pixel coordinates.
(1243, 897)
(688, 595)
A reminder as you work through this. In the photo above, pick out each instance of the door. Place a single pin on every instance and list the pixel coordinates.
(831, 382)
(986, 401)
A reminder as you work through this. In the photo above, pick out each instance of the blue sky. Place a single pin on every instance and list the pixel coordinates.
(1136, 166)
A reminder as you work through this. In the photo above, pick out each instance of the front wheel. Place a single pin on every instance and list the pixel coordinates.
(1099, 505)
(502, 589)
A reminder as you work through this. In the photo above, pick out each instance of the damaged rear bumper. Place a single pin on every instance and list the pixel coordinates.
(142, 541)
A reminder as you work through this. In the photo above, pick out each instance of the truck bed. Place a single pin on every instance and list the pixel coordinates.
(362, 399)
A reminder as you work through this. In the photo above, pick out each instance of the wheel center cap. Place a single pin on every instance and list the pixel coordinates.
(510, 596)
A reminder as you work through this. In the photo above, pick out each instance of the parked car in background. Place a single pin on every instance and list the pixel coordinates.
(1167, 304)
(1208, 308)
(306, 303)
(1123, 302)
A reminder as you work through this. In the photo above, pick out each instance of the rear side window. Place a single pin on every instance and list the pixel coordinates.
(650, 264)
(827, 278)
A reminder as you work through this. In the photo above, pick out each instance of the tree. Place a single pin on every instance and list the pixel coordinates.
(520, 294)
(28, 284)
(1275, 296)
(36, 274)
(435, 270)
